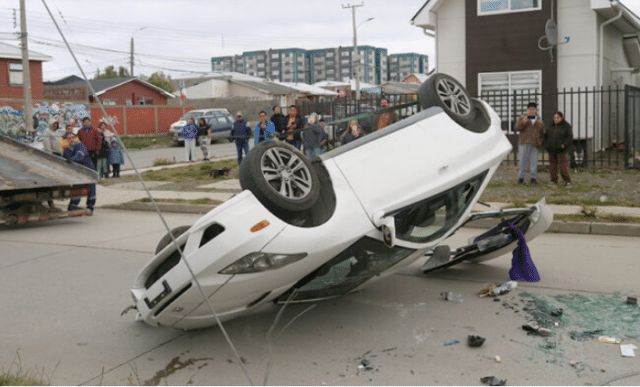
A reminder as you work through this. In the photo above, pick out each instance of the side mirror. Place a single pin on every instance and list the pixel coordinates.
(387, 228)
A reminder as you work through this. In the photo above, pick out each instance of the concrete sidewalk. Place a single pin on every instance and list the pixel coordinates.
(125, 195)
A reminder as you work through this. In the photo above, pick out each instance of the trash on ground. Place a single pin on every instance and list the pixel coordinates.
(504, 288)
(627, 350)
(535, 328)
(557, 313)
(451, 296)
(632, 301)
(475, 341)
(573, 363)
(609, 340)
(497, 358)
(487, 290)
(365, 365)
(452, 343)
(493, 381)
(582, 336)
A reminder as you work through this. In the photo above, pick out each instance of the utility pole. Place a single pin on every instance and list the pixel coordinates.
(139, 29)
(26, 74)
(356, 55)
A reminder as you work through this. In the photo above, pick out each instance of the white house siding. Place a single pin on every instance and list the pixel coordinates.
(450, 39)
(577, 60)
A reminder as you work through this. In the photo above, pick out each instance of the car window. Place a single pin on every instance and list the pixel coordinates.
(430, 219)
(366, 258)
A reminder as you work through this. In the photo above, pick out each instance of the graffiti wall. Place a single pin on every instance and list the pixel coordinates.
(13, 122)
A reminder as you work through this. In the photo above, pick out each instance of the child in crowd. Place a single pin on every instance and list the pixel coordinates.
(115, 158)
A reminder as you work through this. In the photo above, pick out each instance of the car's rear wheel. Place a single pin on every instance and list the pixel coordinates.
(444, 91)
(166, 240)
(280, 177)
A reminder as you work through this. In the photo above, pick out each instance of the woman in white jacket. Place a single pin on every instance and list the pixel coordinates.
(51, 139)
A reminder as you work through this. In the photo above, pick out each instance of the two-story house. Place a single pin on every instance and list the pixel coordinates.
(502, 47)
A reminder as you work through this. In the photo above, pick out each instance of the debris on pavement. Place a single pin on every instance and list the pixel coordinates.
(365, 365)
(573, 363)
(557, 313)
(452, 343)
(534, 328)
(497, 358)
(487, 290)
(582, 336)
(493, 381)
(451, 296)
(632, 301)
(627, 350)
(609, 340)
(475, 341)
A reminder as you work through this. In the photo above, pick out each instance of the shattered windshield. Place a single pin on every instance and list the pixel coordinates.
(364, 259)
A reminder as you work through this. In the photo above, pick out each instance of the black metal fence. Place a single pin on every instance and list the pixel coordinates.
(606, 121)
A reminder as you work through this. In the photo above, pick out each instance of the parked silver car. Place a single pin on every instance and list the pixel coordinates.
(219, 119)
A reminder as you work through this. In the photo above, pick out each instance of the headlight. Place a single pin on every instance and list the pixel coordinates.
(259, 262)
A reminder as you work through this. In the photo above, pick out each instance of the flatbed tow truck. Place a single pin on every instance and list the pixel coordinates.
(31, 180)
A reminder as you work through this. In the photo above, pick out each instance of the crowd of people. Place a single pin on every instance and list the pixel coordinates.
(94, 148)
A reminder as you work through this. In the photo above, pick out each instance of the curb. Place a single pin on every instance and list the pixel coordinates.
(557, 226)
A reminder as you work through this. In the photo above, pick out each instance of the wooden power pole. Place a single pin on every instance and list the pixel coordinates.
(26, 74)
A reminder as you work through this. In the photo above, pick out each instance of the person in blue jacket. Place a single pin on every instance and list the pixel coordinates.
(190, 132)
(77, 152)
(264, 129)
(241, 133)
(116, 159)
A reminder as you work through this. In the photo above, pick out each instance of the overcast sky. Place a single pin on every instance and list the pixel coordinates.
(181, 36)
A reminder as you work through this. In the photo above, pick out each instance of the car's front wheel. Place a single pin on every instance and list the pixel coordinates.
(446, 92)
(166, 240)
(280, 177)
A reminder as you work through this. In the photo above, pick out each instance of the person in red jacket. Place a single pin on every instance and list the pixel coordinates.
(91, 139)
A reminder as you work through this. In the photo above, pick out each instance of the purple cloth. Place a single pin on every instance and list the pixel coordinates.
(522, 267)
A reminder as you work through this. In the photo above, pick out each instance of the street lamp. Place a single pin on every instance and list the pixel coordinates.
(139, 29)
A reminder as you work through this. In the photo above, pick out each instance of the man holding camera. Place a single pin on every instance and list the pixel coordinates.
(531, 130)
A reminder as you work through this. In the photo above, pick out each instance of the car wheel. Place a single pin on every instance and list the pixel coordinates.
(166, 240)
(280, 177)
(444, 91)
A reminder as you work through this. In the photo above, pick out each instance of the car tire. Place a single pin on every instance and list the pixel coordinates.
(446, 92)
(267, 172)
(166, 240)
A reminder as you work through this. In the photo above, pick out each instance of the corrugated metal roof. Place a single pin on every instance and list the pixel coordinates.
(269, 87)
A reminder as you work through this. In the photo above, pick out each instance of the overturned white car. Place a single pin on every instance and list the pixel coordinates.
(310, 230)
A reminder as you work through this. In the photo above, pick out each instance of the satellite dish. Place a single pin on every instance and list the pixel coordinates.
(551, 32)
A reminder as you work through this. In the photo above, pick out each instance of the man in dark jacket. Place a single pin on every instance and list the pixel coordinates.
(558, 141)
(279, 120)
(241, 133)
(294, 122)
(77, 152)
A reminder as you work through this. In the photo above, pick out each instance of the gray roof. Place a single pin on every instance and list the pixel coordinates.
(12, 52)
(269, 87)
(64, 81)
(102, 85)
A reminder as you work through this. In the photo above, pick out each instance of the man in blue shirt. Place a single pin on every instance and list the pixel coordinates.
(264, 129)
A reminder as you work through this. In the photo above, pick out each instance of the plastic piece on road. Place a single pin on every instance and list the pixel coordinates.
(627, 350)
(522, 266)
(451, 296)
(475, 341)
(504, 288)
(487, 290)
(493, 381)
(497, 358)
(452, 343)
(609, 340)
(366, 364)
(632, 301)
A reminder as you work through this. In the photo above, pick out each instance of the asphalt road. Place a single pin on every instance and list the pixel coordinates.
(144, 158)
(65, 283)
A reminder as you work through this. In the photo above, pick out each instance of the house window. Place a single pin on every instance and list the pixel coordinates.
(486, 7)
(510, 92)
(15, 74)
(111, 102)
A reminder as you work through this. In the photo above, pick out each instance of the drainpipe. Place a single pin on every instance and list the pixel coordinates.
(615, 4)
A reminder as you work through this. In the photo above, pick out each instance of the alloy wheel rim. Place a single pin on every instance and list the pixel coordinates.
(454, 97)
(286, 173)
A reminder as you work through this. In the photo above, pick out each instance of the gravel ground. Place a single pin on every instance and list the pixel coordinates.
(604, 186)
